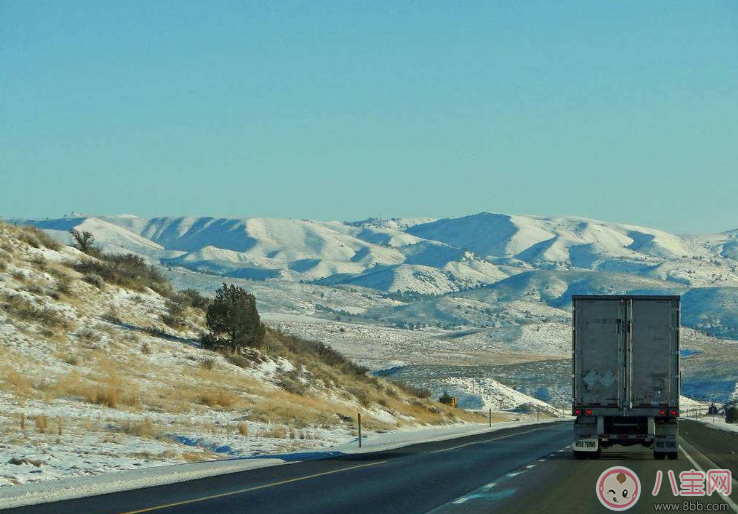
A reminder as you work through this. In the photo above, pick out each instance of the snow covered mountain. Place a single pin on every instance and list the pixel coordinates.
(485, 269)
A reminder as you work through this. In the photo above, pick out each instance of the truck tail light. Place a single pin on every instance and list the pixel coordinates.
(674, 412)
(662, 412)
(577, 411)
(589, 412)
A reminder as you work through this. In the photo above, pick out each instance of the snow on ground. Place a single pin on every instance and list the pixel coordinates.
(96, 440)
(718, 422)
(487, 393)
(379, 347)
(68, 487)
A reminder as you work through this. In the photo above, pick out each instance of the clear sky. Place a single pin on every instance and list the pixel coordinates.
(618, 110)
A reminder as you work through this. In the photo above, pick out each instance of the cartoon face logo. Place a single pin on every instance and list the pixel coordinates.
(618, 488)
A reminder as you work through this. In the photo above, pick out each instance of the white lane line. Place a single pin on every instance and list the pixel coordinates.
(726, 499)
(530, 466)
(486, 440)
(487, 487)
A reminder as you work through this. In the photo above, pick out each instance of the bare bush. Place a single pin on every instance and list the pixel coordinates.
(84, 241)
(112, 316)
(38, 238)
(39, 262)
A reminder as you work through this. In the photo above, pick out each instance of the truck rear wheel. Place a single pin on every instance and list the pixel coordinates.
(659, 455)
(673, 455)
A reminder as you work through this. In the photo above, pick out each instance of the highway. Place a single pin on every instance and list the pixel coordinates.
(524, 469)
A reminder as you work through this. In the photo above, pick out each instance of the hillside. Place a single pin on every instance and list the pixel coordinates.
(485, 289)
(102, 370)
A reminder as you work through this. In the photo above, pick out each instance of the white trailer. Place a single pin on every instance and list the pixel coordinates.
(626, 379)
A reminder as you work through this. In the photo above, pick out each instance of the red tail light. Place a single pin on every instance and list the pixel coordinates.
(589, 412)
(577, 411)
(662, 412)
(673, 412)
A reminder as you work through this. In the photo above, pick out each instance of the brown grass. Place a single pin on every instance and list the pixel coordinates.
(108, 390)
(219, 398)
(42, 424)
(301, 411)
(37, 238)
(195, 456)
(24, 310)
(20, 385)
(144, 428)
(242, 428)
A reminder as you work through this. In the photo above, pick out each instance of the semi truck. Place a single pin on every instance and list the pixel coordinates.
(626, 378)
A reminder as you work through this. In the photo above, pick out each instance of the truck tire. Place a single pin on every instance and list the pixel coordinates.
(659, 455)
(673, 455)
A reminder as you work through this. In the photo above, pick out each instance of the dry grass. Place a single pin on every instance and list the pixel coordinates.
(39, 262)
(219, 398)
(18, 384)
(242, 428)
(301, 411)
(277, 432)
(195, 457)
(22, 309)
(144, 428)
(107, 390)
(42, 424)
(112, 316)
(36, 238)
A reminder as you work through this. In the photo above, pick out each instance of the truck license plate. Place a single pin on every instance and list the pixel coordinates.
(586, 445)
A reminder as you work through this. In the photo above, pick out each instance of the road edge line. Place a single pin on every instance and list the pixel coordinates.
(726, 499)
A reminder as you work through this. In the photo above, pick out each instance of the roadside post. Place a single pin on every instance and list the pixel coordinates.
(490, 418)
(359, 417)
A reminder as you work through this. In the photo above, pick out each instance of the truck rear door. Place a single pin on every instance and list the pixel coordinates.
(653, 355)
(599, 352)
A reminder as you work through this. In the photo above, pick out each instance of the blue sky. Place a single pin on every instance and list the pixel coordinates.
(619, 110)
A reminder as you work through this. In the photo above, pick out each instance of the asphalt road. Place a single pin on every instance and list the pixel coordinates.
(526, 469)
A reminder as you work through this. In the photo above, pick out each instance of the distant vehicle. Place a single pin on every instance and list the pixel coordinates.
(626, 379)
